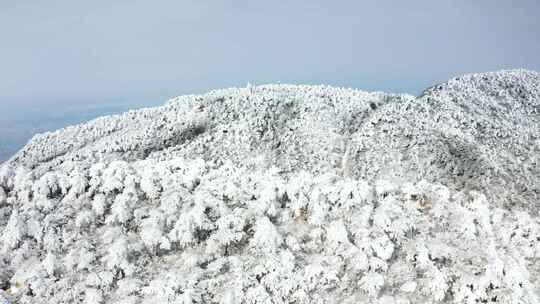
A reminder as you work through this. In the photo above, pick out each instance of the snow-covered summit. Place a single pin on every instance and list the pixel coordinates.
(479, 131)
(284, 194)
(249, 117)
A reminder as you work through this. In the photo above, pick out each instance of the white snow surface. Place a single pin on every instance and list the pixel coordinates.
(284, 194)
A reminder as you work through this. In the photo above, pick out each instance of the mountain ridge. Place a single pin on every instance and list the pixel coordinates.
(284, 194)
(262, 116)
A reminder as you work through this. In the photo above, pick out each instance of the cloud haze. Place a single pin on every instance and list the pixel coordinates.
(142, 52)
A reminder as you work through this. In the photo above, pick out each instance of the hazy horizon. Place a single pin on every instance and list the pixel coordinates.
(65, 62)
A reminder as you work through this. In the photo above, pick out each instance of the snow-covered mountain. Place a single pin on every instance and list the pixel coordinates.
(284, 194)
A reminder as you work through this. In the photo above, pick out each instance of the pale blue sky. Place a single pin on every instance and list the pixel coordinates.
(60, 53)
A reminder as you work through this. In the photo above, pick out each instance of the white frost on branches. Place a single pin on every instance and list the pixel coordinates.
(313, 239)
(284, 194)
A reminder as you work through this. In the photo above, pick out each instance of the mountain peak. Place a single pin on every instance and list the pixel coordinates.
(284, 194)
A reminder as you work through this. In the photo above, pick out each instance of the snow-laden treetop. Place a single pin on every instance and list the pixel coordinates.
(284, 194)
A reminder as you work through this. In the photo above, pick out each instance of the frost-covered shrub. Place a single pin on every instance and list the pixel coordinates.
(22, 184)
(77, 184)
(47, 186)
(150, 181)
(7, 173)
(266, 237)
(13, 233)
(218, 234)
(3, 196)
(122, 208)
(152, 231)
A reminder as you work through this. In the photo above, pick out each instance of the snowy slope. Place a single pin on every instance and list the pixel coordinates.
(284, 194)
(477, 131)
